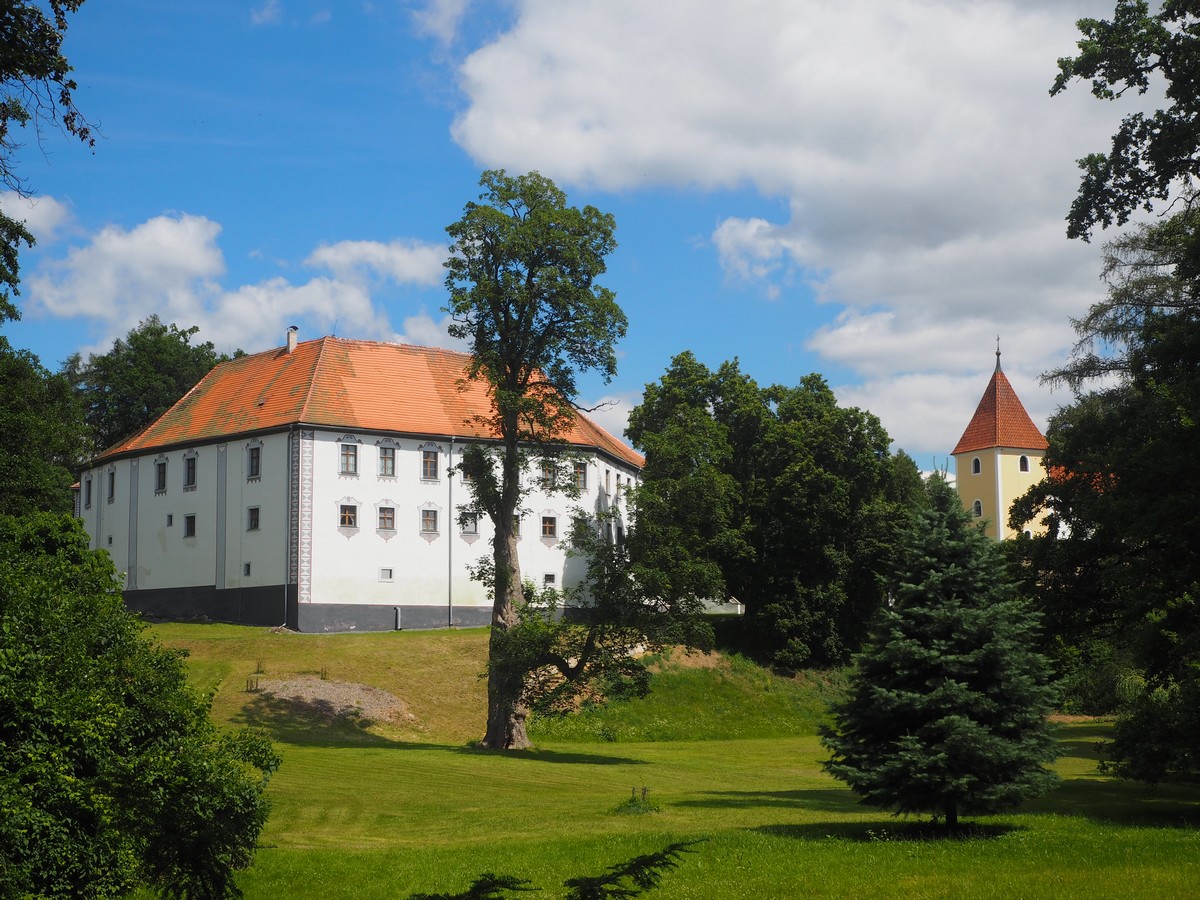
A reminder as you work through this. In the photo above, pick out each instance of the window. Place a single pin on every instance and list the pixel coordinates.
(607, 480)
(349, 459)
(246, 570)
(581, 476)
(975, 466)
(254, 462)
(620, 534)
(549, 580)
(548, 473)
(252, 519)
(429, 465)
(549, 527)
(110, 540)
(189, 526)
(348, 515)
(87, 493)
(977, 509)
(1024, 463)
(385, 575)
(470, 522)
(387, 461)
(170, 520)
(112, 486)
(189, 473)
(387, 518)
(160, 477)
(429, 523)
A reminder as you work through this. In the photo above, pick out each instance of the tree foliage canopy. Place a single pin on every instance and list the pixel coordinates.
(775, 495)
(947, 705)
(36, 91)
(111, 773)
(522, 281)
(139, 379)
(1151, 154)
(1120, 562)
(44, 436)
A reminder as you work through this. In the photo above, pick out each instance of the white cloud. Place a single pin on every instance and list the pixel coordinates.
(43, 216)
(424, 331)
(926, 168)
(404, 262)
(441, 18)
(171, 266)
(270, 13)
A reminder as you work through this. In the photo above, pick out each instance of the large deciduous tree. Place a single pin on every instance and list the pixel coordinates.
(139, 379)
(522, 281)
(1121, 563)
(36, 91)
(44, 437)
(775, 495)
(947, 704)
(112, 776)
(1152, 154)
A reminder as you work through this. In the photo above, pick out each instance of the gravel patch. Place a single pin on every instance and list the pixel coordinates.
(339, 699)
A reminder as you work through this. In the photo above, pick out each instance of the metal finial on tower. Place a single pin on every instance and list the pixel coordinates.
(997, 353)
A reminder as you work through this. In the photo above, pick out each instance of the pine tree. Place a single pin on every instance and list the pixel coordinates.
(946, 711)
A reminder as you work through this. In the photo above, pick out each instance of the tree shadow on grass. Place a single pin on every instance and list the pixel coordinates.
(830, 800)
(1092, 750)
(319, 723)
(1116, 801)
(890, 830)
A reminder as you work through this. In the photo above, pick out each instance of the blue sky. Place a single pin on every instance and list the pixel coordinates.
(869, 189)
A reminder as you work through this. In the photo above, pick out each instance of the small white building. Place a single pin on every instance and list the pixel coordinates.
(314, 486)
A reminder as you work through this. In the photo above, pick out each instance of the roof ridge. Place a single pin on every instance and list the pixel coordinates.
(312, 380)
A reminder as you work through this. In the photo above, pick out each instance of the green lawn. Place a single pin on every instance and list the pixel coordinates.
(368, 813)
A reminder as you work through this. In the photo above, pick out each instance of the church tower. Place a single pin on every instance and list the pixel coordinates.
(999, 456)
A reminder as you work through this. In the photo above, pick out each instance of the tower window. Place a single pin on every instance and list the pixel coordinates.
(1024, 463)
(977, 509)
(975, 466)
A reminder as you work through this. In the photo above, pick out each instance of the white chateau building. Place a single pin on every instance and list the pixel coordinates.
(314, 486)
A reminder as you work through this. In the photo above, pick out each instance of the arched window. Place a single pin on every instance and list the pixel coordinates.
(975, 466)
(977, 508)
(1024, 463)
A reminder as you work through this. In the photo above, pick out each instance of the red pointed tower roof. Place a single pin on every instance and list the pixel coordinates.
(1000, 420)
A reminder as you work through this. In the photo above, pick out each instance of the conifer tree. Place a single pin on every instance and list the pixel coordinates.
(946, 711)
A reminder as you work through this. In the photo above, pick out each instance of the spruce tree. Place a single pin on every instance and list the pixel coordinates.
(947, 705)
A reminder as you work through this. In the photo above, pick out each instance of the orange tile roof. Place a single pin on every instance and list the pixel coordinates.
(344, 384)
(1000, 420)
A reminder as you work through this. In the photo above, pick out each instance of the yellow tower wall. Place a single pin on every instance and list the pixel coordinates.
(998, 483)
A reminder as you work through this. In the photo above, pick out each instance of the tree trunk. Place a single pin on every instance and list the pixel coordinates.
(506, 713)
(952, 816)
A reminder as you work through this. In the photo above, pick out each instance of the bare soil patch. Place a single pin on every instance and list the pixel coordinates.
(359, 703)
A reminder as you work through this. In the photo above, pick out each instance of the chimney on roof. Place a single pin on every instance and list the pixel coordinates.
(291, 337)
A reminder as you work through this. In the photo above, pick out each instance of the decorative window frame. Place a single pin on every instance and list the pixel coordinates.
(550, 540)
(429, 536)
(191, 456)
(251, 446)
(348, 531)
(161, 466)
(429, 447)
(387, 444)
(386, 533)
(344, 442)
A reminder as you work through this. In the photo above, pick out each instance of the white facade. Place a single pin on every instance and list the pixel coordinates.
(323, 529)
